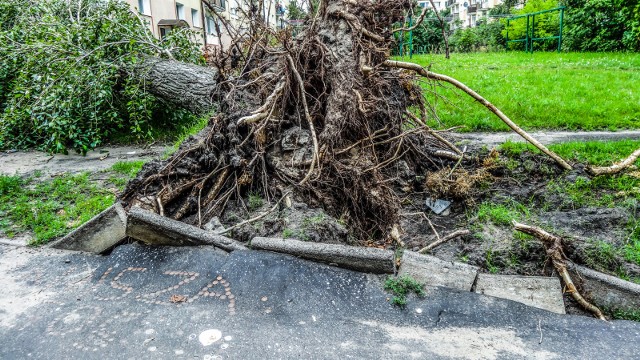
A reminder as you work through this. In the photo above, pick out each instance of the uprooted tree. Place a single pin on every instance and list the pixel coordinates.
(321, 116)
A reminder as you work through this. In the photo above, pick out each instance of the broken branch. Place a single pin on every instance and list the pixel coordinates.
(615, 168)
(434, 76)
(451, 236)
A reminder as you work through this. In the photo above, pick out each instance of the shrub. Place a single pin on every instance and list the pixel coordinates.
(65, 73)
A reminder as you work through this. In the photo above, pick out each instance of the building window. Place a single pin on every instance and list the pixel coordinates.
(195, 18)
(180, 11)
(211, 26)
(144, 7)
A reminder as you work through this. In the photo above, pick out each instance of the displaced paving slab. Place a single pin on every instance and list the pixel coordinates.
(101, 233)
(200, 302)
(364, 259)
(537, 291)
(433, 271)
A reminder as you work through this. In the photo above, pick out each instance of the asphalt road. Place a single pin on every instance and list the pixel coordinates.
(199, 302)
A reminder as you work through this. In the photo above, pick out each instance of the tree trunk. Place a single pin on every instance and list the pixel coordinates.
(189, 86)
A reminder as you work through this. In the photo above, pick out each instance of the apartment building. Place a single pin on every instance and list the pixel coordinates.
(439, 4)
(164, 15)
(468, 12)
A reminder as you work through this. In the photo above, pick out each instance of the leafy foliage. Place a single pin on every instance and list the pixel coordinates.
(602, 25)
(484, 36)
(401, 287)
(547, 24)
(65, 73)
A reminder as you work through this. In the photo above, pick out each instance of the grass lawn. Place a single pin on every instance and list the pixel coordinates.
(567, 91)
(51, 208)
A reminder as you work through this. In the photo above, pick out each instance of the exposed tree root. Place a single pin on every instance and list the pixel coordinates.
(443, 240)
(615, 168)
(553, 246)
(434, 76)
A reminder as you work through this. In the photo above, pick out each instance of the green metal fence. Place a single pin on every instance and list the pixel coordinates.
(531, 29)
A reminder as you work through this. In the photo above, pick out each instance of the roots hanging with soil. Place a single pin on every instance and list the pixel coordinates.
(322, 115)
(316, 114)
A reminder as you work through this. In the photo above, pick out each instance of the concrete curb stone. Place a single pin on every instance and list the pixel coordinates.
(101, 233)
(437, 272)
(153, 229)
(356, 258)
(537, 291)
(607, 291)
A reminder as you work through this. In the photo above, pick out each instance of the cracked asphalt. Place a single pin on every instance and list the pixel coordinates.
(200, 302)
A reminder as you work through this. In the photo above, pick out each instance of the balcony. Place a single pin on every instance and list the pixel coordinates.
(220, 5)
(448, 3)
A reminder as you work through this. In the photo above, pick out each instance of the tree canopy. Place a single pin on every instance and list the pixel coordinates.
(65, 73)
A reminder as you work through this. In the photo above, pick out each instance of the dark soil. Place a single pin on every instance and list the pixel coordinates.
(493, 247)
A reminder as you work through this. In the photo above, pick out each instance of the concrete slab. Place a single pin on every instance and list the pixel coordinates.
(203, 303)
(372, 260)
(99, 234)
(537, 291)
(607, 291)
(153, 229)
(436, 272)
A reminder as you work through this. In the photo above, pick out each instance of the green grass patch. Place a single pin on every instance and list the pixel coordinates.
(402, 286)
(633, 315)
(51, 208)
(599, 153)
(255, 201)
(184, 132)
(125, 171)
(503, 213)
(568, 91)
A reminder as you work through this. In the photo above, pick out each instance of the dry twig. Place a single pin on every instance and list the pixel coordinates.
(439, 242)
(615, 168)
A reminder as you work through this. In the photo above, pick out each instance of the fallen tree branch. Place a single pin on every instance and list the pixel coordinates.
(415, 26)
(615, 168)
(434, 76)
(553, 246)
(451, 236)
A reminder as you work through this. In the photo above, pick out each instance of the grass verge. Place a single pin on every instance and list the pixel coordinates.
(51, 208)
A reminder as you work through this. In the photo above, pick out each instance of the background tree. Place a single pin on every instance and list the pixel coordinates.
(295, 11)
(602, 25)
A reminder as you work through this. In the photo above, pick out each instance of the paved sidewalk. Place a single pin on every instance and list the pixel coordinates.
(198, 302)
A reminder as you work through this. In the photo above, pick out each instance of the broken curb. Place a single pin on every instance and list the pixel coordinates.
(433, 271)
(537, 291)
(101, 233)
(154, 229)
(608, 291)
(363, 259)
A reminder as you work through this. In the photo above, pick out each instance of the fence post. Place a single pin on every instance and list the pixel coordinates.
(506, 44)
(410, 37)
(533, 31)
(560, 34)
(526, 39)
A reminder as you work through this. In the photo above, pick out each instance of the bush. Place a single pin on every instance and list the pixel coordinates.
(65, 73)
(602, 25)
(547, 24)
